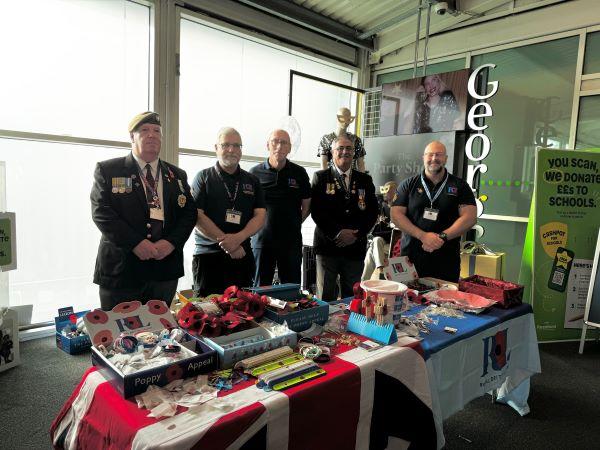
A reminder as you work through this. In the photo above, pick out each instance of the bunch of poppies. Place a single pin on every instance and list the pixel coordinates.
(236, 309)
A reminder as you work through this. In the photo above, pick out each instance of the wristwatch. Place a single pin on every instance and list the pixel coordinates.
(443, 237)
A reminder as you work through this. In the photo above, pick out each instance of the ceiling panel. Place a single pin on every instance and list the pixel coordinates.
(367, 15)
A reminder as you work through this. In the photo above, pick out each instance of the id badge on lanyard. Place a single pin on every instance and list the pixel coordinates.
(431, 213)
(233, 216)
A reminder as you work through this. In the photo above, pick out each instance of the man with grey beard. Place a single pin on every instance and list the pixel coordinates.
(433, 209)
(231, 208)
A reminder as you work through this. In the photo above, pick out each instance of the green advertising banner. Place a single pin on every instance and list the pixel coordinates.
(8, 256)
(566, 217)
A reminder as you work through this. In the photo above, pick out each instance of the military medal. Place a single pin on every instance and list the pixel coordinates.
(114, 189)
(330, 189)
(362, 205)
(181, 199)
(128, 183)
(181, 188)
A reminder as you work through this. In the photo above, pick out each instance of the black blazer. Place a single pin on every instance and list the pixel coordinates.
(123, 219)
(333, 209)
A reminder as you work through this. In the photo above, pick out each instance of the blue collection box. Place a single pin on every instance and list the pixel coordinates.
(298, 320)
(72, 346)
(131, 317)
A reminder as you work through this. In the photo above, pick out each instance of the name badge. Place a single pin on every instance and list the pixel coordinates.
(430, 214)
(157, 213)
(233, 216)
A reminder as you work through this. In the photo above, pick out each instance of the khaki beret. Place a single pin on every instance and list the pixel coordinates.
(145, 117)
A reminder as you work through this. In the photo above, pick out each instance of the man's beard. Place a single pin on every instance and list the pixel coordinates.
(435, 171)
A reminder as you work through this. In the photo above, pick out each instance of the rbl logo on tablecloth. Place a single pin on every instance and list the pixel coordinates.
(494, 351)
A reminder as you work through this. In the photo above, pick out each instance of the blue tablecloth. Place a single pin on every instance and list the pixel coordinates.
(468, 326)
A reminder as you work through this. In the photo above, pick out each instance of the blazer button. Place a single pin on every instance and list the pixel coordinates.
(148, 236)
(148, 225)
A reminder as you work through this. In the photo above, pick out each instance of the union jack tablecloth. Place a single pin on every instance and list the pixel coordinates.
(366, 400)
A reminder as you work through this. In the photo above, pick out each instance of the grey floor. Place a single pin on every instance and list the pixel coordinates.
(564, 401)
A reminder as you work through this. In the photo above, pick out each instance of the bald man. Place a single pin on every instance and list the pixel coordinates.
(231, 208)
(287, 197)
(433, 209)
(344, 119)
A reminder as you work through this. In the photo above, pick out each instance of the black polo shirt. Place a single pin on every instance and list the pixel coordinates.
(284, 191)
(211, 196)
(411, 195)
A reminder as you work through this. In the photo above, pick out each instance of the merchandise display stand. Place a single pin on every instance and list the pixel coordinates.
(591, 318)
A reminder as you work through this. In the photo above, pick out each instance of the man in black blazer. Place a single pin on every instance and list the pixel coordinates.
(145, 211)
(344, 208)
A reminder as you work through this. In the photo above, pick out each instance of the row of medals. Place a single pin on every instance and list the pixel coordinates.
(331, 187)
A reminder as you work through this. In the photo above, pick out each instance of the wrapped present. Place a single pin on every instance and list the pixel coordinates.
(477, 259)
(505, 293)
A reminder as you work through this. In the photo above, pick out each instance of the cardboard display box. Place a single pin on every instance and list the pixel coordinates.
(491, 266)
(297, 320)
(9, 339)
(78, 344)
(229, 356)
(402, 270)
(105, 326)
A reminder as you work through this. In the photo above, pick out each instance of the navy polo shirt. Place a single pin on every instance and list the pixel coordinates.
(411, 195)
(284, 191)
(211, 196)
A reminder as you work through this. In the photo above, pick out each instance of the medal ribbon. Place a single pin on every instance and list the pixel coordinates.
(152, 188)
(231, 197)
(439, 191)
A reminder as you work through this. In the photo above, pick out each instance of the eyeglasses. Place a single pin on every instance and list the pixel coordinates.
(438, 155)
(226, 145)
(276, 142)
(347, 148)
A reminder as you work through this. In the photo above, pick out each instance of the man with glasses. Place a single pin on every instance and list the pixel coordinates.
(231, 209)
(145, 211)
(344, 208)
(287, 196)
(433, 209)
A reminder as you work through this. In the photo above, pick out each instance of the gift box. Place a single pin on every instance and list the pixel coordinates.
(505, 293)
(229, 355)
(132, 317)
(9, 339)
(491, 266)
(296, 320)
(67, 318)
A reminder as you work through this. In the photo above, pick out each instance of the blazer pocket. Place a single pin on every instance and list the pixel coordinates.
(113, 260)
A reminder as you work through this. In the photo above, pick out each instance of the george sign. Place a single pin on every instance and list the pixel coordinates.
(8, 241)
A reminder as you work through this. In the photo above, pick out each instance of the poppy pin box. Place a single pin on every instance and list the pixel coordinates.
(299, 320)
(67, 320)
(131, 318)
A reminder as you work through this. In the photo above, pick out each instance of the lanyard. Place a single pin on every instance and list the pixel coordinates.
(237, 185)
(439, 191)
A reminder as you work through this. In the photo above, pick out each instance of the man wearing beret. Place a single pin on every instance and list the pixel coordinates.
(145, 212)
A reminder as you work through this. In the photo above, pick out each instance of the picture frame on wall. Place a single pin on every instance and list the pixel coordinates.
(430, 104)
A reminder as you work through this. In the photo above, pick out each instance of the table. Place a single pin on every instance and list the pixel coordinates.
(358, 403)
(366, 400)
(495, 351)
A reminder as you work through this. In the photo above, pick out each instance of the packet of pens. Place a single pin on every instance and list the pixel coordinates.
(286, 372)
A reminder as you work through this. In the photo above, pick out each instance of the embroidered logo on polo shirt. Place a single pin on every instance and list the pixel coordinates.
(248, 189)
(452, 190)
(292, 183)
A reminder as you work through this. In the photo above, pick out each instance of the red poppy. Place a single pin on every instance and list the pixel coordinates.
(230, 292)
(96, 316)
(104, 337)
(358, 290)
(212, 327)
(157, 307)
(167, 324)
(174, 372)
(126, 307)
